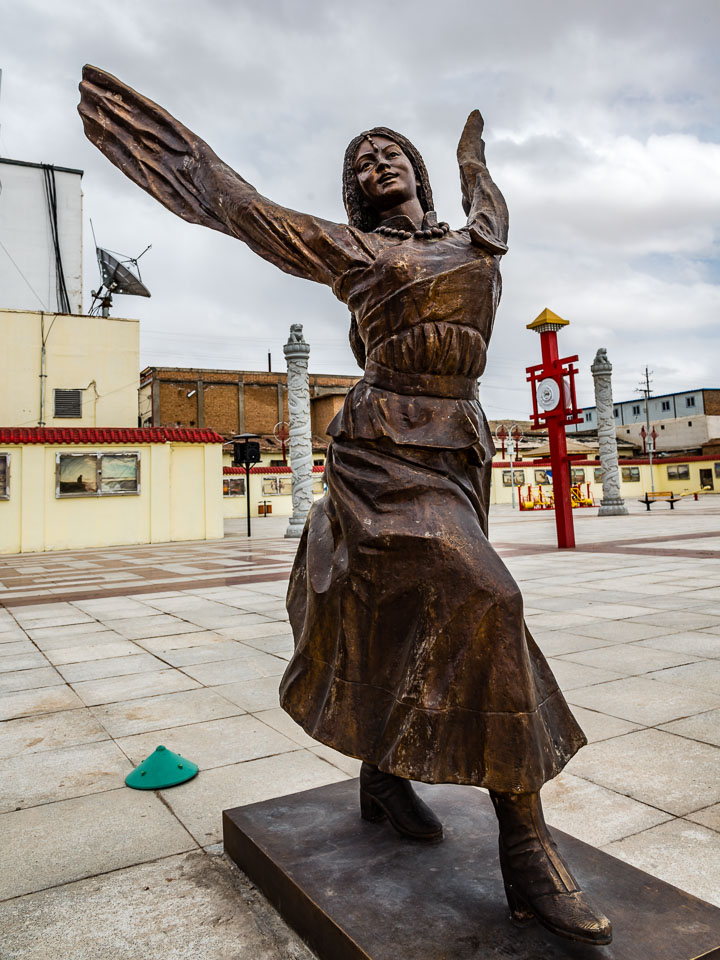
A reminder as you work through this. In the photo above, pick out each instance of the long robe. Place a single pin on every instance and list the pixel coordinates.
(411, 650)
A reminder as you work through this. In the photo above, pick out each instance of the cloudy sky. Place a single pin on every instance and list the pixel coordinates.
(602, 130)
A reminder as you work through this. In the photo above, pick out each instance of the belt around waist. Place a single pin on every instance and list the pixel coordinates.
(420, 384)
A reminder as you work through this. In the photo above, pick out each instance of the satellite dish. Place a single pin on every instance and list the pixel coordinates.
(117, 277)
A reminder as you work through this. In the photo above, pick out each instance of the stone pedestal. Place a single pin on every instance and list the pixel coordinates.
(612, 503)
(357, 891)
(297, 352)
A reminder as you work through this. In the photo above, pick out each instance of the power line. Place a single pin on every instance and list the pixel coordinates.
(33, 290)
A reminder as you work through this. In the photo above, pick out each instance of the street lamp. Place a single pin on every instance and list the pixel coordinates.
(246, 452)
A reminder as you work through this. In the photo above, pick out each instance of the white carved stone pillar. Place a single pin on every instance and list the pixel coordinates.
(612, 503)
(297, 352)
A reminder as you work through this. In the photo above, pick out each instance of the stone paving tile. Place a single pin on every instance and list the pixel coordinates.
(32, 779)
(182, 641)
(10, 634)
(15, 647)
(115, 608)
(85, 836)
(599, 726)
(617, 611)
(697, 643)
(709, 817)
(702, 675)
(212, 653)
(87, 641)
(281, 646)
(672, 851)
(624, 631)
(36, 612)
(161, 712)
(110, 667)
(133, 686)
(557, 621)
(141, 628)
(282, 722)
(117, 912)
(252, 695)
(49, 731)
(29, 679)
(200, 803)
(624, 658)
(554, 643)
(644, 701)
(65, 635)
(272, 628)
(348, 765)
(229, 671)
(655, 767)
(22, 661)
(703, 726)
(96, 651)
(214, 743)
(677, 619)
(27, 703)
(593, 813)
(570, 675)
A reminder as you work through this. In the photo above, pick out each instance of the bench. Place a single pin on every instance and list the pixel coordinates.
(650, 498)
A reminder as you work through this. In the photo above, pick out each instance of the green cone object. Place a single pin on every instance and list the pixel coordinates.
(162, 768)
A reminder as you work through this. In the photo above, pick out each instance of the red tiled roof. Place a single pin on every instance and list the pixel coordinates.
(234, 470)
(96, 435)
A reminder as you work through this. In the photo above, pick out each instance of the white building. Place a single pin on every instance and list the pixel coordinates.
(40, 237)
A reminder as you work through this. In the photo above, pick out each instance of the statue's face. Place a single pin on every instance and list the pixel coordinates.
(384, 173)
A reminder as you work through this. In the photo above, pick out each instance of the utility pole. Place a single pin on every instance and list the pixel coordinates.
(644, 388)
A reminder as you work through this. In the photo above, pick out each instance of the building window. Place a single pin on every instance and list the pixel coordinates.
(578, 475)
(662, 426)
(519, 477)
(597, 473)
(278, 463)
(233, 486)
(636, 409)
(67, 403)
(542, 479)
(665, 405)
(689, 401)
(4, 476)
(588, 416)
(678, 471)
(689, 423)
(97, 474)
(318, 463)
(631, 474)
(277, 486)
(616, 412)
(717, 469)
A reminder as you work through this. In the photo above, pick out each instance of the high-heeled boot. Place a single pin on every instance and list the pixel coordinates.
(383, 795)
(538, 882)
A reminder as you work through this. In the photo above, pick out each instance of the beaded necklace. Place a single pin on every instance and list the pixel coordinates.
(427, 234)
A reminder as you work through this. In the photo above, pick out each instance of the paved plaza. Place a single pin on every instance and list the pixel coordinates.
(104, 654)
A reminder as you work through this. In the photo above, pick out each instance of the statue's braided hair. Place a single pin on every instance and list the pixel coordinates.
(362, 215)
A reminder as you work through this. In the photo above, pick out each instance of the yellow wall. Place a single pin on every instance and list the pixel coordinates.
(99, 355)
(629, 489)
(179, 499)
(235, 507)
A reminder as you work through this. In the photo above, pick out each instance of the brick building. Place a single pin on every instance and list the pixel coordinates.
(232, 401)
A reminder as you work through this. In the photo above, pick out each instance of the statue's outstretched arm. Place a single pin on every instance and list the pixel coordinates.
(483, 203)
(181, 171)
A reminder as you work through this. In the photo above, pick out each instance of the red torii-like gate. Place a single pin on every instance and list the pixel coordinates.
(555, 406)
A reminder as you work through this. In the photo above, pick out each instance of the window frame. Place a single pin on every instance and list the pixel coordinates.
(5, 491)
(98, 492)
(630, 471)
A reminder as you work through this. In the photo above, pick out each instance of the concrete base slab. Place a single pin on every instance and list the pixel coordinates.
(356, 890)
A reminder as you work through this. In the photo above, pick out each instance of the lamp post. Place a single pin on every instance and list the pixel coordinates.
(246, 452)
(555, 406)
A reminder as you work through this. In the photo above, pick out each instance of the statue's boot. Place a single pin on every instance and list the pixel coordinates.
(383, 795)
(538, 882)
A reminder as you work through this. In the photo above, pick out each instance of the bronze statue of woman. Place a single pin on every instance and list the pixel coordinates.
(411, 651)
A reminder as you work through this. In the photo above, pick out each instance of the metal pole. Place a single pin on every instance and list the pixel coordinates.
(247, 494)
(511, 454)
(649, 441)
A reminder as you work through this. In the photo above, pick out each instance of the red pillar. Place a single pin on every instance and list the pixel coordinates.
(558, 452)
